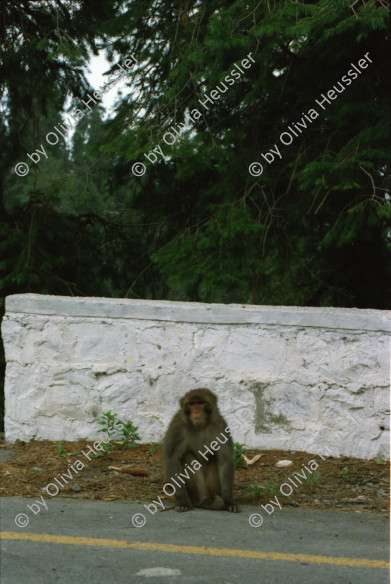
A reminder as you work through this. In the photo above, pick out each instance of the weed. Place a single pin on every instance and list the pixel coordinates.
(270, 489)
(153, 450)
(255, 490)
(60, 449)
(129, 435)
(239, 450)
(353, 479)
(312, 479)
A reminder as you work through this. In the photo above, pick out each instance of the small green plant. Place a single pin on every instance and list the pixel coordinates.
(353, 479)
(255, 490)
(312, 479)
(129, 435)
(154, 448)
(60, 449)
(106, 449)
(270, 489)
(108, 423)
(239, 450)
(379, 460)
(111, 425)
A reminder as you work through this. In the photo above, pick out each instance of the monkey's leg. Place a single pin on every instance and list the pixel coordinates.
(197, 486)
(211, 498)
(214, 501)
(193, 490)
(182, 500)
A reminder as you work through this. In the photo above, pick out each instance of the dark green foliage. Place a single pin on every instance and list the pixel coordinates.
(316, 221)
(313, 229)
(197, 226)
(128, 434)
(108, 423)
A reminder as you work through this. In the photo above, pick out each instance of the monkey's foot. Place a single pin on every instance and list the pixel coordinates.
(232, 508)
(182, 508)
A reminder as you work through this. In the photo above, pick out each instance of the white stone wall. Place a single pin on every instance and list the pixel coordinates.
(313, 379)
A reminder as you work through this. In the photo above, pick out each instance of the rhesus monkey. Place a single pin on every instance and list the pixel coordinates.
(198, 454)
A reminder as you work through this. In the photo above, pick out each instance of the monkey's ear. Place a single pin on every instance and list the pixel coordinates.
(213, 397)
(181, 401)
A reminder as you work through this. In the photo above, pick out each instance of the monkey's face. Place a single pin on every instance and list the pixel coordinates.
(198, 413)
(198, 407)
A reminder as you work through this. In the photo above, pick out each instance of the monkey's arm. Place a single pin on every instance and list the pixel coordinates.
(174, 448)
(175, 445)
(226, 470)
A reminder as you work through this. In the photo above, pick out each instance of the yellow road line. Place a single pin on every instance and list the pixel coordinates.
(190, 549)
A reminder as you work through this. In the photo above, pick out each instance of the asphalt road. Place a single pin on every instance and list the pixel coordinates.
(92, 542)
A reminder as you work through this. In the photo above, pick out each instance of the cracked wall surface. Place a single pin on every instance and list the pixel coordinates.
(313, 379)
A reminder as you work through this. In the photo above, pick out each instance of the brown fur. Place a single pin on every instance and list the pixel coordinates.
(209, 487)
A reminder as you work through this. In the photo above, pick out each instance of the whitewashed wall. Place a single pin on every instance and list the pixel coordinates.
(313, 379)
